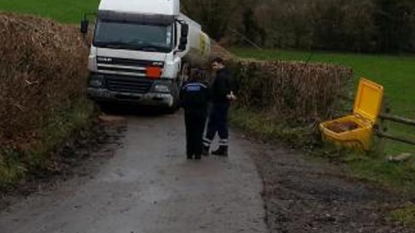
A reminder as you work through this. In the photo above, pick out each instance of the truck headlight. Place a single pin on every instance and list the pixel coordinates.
(95, 83)
(96, 80)
(161, 88)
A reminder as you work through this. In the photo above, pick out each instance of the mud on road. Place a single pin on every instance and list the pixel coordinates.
(142, 183)
(148, 186)
(304, 196)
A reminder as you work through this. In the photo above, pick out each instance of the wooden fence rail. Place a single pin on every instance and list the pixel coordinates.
(397, 119)
(380, 132)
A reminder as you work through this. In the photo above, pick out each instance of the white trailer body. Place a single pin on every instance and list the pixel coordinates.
(139, 50)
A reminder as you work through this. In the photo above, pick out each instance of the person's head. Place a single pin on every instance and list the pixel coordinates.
(195, 74)
(218, 64)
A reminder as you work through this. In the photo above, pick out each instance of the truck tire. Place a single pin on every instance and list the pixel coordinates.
(173, 109)
(176, 102)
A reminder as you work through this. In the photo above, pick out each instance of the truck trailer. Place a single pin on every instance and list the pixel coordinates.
(141, 50)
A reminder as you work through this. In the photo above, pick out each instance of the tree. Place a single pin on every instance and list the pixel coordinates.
(213, 15)
(251, 29)
(347, 25)
(394, 26)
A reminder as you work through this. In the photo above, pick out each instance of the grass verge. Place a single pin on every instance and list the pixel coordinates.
(405, 215)
(15, 165)
(371, 166)
(395, 73)
(266, 127)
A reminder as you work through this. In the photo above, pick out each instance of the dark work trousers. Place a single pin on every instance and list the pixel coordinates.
(195, 120)
(218, 123)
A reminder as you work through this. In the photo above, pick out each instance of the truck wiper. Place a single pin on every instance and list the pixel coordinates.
(131, 45)
(153, 48)
(113, 44)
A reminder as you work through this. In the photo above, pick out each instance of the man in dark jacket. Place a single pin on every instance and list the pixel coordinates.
(221, 95)
(194, 98)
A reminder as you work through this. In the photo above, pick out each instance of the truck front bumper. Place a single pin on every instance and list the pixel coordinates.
(149, 99)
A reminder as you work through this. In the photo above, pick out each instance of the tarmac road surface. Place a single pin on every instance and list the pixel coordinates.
(148, 186)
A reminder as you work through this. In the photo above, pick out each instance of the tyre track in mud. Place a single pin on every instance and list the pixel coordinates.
(305, 196)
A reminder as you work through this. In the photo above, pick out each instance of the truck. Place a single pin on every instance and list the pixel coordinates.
(141, 51)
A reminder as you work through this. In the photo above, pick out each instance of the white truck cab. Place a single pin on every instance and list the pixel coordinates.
(139, 50)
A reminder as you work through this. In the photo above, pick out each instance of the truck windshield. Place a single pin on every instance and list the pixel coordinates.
(134, 36)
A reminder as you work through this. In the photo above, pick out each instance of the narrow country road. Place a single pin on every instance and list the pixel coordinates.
(149, 187)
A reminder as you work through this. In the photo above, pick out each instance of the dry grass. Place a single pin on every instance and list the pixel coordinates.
(43, 70)
(296, 93)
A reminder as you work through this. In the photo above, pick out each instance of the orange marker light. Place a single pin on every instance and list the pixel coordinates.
(153, 72)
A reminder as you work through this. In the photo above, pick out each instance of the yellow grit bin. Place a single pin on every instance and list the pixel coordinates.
(356, 130)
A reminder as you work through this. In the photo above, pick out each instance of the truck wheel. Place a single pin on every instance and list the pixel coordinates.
(173, 109)
(103, 107)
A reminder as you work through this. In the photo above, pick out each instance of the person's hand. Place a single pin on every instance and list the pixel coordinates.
(231, 96)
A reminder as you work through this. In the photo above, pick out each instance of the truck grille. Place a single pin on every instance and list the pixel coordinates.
(128, 84)
(124, 66)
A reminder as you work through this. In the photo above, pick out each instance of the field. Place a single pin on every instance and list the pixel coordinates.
(62, 10)
(395, 73)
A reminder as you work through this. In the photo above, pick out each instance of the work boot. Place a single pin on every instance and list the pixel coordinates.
(221, 151)
(205, 150)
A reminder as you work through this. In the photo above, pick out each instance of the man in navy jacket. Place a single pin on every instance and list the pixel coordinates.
(221, 96)
(194, 99)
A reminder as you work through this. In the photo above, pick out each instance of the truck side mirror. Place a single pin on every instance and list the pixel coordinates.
(84, 26)
(184, 33)
(182, 47)
(183, 37)
(185, 30)
(183, 43)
